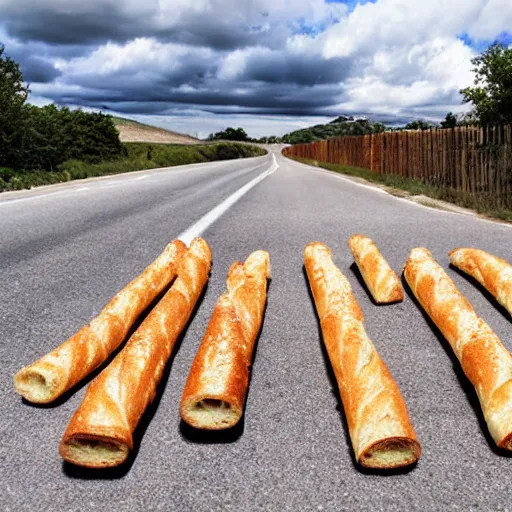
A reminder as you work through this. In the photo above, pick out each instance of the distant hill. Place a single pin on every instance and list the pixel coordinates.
(133, 131)
(341, 126)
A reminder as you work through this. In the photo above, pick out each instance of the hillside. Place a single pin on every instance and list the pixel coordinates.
(341, 126)
(133, 131)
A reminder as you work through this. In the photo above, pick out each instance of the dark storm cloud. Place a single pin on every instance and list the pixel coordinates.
(307, 70)
(262, 100)
(46, 25)
(223, 36)
(99, 23)
(33, 67)
(38, 70)
(142, 81)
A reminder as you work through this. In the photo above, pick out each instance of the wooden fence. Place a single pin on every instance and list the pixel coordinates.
(472, 160)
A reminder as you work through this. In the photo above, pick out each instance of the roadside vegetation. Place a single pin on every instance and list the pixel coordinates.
(134, 157)
(45, 145)
(406, 187)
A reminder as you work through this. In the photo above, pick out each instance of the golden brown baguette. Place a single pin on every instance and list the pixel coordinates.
(100, 433)
(380, 279)
(216, 388)
(379, 425)
(490, 271)
(484, 359)
(62, 368)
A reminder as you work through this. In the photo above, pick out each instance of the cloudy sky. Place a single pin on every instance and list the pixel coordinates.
(269, 66)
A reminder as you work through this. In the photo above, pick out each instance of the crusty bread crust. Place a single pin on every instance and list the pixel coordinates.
(100, 434)
(214, 395)
(490, 271)
(484, 359)
(379, 277)
(380, 429)
(62, 368)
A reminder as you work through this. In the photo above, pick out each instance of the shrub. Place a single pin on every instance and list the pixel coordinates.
(6, 174)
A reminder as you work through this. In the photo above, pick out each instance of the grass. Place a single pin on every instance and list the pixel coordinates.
(413, 187)
(137, 156)
(124, 120)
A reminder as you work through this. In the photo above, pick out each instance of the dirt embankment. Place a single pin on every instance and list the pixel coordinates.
(130, 131)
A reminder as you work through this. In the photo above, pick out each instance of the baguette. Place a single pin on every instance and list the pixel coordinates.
(62, 368)
(214, 395)
(100, 433)
(485, 361)
(380, 279)
(491, 272)
(380, 429)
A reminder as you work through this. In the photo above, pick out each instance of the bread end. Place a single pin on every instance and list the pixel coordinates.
(36, 385)
(391, 453)
(209, 413)
(94, 451)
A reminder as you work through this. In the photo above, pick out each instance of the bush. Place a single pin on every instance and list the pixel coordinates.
(162, 155)
(228, 151)
(6, 174)
(53, 135)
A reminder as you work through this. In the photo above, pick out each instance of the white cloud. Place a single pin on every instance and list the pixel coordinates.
(494, 17)
(132, 57)
(408, 55)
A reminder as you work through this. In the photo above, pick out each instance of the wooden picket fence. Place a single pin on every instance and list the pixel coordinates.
(472, 160)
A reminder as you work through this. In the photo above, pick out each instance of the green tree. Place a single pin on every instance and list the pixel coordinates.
(13, 94)
(378, 128)
(491, 94)
(419, 125)
(237, 134)
(450, 121)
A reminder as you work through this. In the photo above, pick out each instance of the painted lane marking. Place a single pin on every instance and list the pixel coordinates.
(404, 200)
(178, 169)
(209, 218)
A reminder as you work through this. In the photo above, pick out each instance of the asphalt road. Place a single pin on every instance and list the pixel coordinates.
(65, 251)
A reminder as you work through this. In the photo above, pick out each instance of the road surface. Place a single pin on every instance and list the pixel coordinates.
(65, 251)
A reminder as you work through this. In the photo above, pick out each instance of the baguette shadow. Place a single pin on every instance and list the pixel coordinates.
(229, 435)
(464, 382)
(199, 436)
(73, 471)
(339, 407)
(86, 380)
(483, 290)
(357, 273)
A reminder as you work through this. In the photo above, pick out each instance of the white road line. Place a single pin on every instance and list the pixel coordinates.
(402, 199)
(141, 177)
(31, 198)
(338, 176)
(172, 170)
(208, 219)
(82, 189)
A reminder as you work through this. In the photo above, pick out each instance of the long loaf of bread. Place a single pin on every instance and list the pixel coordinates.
(62, 368)
(379, 277)
(490, 271)
(100, 433)
(379, 425)
(484, 359)
(216, 388)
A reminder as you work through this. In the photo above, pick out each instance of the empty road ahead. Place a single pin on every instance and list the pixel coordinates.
(65, 251)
